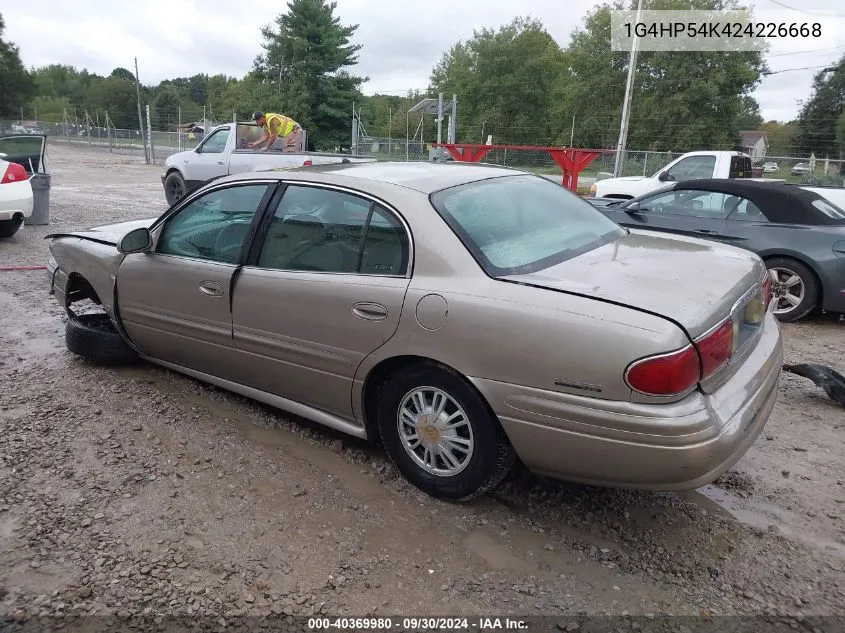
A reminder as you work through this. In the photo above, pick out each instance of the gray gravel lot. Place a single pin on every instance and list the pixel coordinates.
(139, 491)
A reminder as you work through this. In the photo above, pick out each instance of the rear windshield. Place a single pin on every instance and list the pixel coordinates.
(522, 224)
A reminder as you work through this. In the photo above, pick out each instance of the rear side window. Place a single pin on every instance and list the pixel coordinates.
(829, 209)
(740, 167)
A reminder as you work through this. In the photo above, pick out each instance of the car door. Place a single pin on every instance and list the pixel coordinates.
(208, 160)
(747, 227)
(681, 211)
(175, 301)
(323, 289)
(25, 149)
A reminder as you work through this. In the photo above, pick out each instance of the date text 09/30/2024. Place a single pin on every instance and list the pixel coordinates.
(418, 624)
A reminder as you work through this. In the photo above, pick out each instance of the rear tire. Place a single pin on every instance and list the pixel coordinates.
(175, 187)
(9, 227)
(793, 299)
(94, 337)
(481, 455)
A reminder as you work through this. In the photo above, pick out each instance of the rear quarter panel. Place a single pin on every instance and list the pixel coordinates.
(484, 328)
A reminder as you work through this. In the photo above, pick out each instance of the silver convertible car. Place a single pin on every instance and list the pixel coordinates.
(461, 315)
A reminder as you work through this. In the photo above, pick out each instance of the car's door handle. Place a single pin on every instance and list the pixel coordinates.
(211, 288)
(369, 311)
(220, 162)
(706, 232)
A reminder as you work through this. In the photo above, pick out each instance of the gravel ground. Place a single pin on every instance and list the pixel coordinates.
(139, 491)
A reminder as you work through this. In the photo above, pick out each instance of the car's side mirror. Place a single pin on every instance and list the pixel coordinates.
(633, 207)
(663, 176)
(136, 241)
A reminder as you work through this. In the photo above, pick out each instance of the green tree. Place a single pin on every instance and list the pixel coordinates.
(16, 84)
(51, 108)
(749, 117)
(118, 97)
(123, 73)
(63, 82)
(165, 109)
(506, 77)
(681, 100)
(817, 121)
(306, 56)
(840, 134)
(781, 137)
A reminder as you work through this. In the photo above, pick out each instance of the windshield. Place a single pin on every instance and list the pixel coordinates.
(522, 224)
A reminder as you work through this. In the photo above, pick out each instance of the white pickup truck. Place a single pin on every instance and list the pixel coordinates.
(690, 166)
(225, 151)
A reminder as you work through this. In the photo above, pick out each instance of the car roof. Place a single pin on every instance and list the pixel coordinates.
(779, 202)
(425, 177)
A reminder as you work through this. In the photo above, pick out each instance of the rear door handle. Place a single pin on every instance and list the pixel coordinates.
(211, 288)
(369, 311)
(220, 162)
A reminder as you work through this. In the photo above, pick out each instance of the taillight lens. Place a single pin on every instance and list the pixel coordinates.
(14, 173)
(307, 163)
(767, 291)
(717, 348)
(667, 374)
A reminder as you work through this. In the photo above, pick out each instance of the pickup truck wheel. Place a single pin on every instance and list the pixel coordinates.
(441, 435)
(9, 227)
(93, 337)
(795, 289)
(174, 187)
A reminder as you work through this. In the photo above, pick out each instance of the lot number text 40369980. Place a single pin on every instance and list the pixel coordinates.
(417, 624)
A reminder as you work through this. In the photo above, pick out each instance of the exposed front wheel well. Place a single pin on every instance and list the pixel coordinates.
(79, 289)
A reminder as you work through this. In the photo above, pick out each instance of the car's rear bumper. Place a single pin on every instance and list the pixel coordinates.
(15, 200)
(676, 446)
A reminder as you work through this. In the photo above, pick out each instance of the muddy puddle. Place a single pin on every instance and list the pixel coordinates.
(758, 514)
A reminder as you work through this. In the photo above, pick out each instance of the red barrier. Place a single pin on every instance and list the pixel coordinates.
(571, 161)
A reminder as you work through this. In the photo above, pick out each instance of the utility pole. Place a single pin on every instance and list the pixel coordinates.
(572, 132)
(140, 116)
(626, 106)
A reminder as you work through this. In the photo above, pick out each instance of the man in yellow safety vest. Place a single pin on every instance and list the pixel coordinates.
(278, 126)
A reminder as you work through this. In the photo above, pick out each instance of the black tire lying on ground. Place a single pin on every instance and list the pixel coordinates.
(93, 337)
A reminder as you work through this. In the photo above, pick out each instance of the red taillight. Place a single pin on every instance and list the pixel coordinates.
(307, 163)
(716, 349)
(767, 290)
(14, 173)
(667, 374)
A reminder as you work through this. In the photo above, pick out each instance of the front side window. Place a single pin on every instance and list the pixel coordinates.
(215, 226)
(216, 143)
(328, 231)
(522, 224)
(690, 202)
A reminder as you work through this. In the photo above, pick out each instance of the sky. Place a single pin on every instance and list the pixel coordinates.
(401, 43)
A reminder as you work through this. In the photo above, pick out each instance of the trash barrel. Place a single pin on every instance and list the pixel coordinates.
(40, 199)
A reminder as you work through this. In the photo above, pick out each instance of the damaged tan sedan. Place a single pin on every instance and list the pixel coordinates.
(463, 316)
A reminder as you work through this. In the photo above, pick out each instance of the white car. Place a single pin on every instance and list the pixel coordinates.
(21, 156)
(15, 197)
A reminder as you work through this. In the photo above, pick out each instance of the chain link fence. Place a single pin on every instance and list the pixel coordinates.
(108, 138)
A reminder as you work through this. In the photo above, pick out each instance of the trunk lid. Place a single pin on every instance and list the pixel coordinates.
(692, 282)
(107, 233)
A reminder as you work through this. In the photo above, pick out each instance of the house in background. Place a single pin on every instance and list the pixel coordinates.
(754, 143)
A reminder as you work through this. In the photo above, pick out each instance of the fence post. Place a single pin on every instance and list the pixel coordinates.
(150, 137)
(108, 131)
